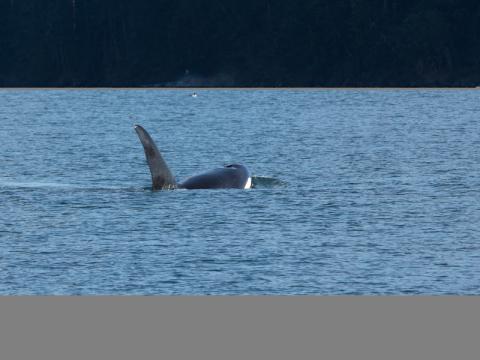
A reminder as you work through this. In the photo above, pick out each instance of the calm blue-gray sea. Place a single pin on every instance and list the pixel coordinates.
(357, 192)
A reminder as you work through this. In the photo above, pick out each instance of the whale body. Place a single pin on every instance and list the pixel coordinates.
(232, 176)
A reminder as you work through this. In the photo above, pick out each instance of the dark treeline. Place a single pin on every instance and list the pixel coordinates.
(243, 43)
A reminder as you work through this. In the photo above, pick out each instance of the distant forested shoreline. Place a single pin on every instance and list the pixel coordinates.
(240, 43)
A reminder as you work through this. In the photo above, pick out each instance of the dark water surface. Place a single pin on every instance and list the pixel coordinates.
(361, 192)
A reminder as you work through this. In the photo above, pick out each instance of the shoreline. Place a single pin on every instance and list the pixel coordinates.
(234, 88)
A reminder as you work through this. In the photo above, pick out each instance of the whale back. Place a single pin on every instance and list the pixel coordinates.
(162, 178)
(228, 177)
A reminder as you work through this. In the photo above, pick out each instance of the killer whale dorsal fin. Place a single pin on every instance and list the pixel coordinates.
(162, 177)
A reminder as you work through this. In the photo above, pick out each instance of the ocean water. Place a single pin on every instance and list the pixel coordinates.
(357, 192)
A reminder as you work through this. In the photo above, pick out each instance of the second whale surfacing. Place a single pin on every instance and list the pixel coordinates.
(234, 176)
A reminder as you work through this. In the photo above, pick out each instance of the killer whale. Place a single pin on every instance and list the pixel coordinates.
(233, 176)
